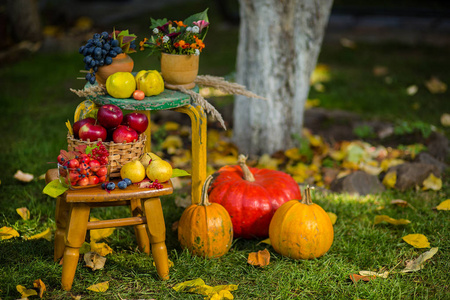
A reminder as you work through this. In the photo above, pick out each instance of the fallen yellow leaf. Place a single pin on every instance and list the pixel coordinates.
(320, 74)
(266, 241)
(171, 126)
(432, 182)
(419, 262)
(198, 286)
(94, 261)
(41, 286)
(333, 217)
(99, 287)
(46, 234)
(371, 273)
(400, 202)
(98, 234)
(445, 119)
(435, 86)
(417, 240)
(267, 162)
(23, 212)
(383, 218)
(101, 248)
(412, 90)
(170, 263)
(260, 258)
(8, 233)
(356, 277)
(390, 179)
(172, 143)
(24, 177)
(444, 205)
(24, 292)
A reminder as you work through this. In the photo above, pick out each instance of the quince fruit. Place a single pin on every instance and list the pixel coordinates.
(121, 85)
(150, 82)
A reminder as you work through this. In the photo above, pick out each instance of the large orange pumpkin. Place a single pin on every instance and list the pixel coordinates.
(205, 228)
(301, 229)
(251, 196)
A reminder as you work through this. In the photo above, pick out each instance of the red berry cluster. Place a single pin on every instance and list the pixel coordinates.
(85, 169)
(100, 153)
(156, 185)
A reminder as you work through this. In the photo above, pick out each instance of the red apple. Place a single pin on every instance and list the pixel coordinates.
(124, 134)
(109, 116)
(77, 125)
(73, 163)
(138, 95)
(136, 121)
(83, 181)
(92, 132)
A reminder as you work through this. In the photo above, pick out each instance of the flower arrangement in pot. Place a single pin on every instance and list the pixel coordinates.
(106, 53)
(180, 44)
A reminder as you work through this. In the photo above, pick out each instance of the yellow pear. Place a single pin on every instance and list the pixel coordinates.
(159, 170)
(147, 157)
(134, 170)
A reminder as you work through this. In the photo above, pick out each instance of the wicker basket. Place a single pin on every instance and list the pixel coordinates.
(119, 154)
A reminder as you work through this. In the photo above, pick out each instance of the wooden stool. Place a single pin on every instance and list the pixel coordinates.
(72, 222)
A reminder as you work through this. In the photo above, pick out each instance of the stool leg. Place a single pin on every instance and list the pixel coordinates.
(61, 215)
(198, 125)
(140, 230)
(75, 235)
(157, 233)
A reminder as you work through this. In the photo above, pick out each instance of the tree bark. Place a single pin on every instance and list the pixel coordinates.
(25, 19)
(279, 43)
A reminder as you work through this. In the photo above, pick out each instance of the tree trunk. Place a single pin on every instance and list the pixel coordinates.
(279, 43)
(25, 19)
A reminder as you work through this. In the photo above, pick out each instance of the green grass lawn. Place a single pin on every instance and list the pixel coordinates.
(36, 102)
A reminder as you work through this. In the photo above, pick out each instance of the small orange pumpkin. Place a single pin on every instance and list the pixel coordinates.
(206, 228)
(301, 229)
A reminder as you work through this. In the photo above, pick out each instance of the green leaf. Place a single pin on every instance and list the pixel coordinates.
(54, 188)
(157, 23)
(179, 173)
(196, 17)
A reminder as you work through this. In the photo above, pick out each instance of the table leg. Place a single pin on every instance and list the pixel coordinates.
(75, 235)
(198, 126)
(148, 132)
(61, 215)
(140, 230)
(157, 234)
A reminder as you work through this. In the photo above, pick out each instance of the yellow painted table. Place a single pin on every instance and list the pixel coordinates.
(180, 102)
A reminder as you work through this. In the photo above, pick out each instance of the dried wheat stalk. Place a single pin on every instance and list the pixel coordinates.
(205, 105)
(92, 91)
(224, 86)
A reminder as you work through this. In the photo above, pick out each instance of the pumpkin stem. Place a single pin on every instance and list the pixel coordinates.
(307, 199)
(204, 200)
(248, 175)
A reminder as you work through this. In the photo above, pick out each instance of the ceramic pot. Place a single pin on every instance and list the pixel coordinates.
(121, 63)
(179, 70)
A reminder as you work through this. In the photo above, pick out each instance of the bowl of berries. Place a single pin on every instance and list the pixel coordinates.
(84, 167)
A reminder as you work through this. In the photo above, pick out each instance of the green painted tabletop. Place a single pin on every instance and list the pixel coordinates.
(166, 100)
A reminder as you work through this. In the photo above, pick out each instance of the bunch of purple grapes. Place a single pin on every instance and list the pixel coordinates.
(100, 51)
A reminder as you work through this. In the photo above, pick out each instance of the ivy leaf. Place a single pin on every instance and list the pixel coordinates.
(417, 240)
(384, 218)
(418, 263)
(54, 188)
(179, 173)
(260, 258)
(99, 287)
(444, 205)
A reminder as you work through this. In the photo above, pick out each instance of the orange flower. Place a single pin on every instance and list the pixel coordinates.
(194, 46)
(200, 44)
(141, 44)
(180, 24)
(176, 44)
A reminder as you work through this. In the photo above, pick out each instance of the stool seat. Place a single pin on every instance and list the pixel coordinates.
(72, 222)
